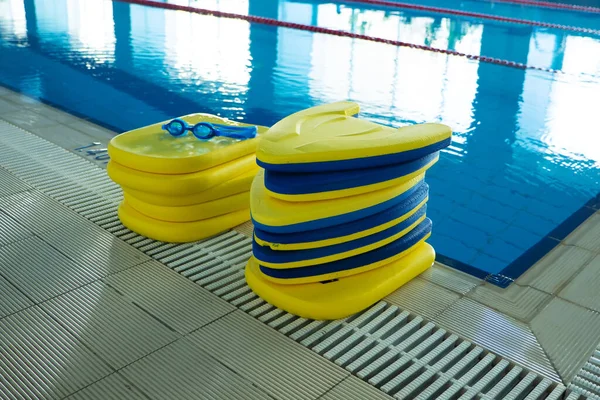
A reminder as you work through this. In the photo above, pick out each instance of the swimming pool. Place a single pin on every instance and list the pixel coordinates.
(524, 166)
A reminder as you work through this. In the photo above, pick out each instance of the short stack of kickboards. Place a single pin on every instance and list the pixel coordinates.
(181, 189)
(339, 210)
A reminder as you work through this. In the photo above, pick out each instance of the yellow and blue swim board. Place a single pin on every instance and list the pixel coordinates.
(355, 264)
(152, 149)
(310, 186)
(339, 298)
(277, 216)
(329, 138)
(409, 203)
(278, 259)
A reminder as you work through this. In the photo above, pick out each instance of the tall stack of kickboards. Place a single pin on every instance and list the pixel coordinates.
(182, 189)
(339, 210)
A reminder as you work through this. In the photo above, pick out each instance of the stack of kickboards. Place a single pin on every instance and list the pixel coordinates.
(182, 189)
(339, 210)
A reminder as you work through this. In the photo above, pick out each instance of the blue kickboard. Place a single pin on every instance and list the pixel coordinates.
(318, 182)
(403, 204)
(398, 246)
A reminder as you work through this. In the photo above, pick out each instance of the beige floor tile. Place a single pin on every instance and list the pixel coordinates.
(40, 359)
(584, 289)
(20, 100)
(39, 213)
(282, 367)
(94, 246)
(93, 130)
(587, 236)
(183, 371)
(7, 107)
(520, 302)
(499, 333)
(11, 231)
(568, 333)
(5, 91)
(41, 271)
(11, 299)
(450, 278)
(552, 272)
(423, 297)
(179, 302)
(114, 328)
(64, 136)
(28, 120)
(54, 114)
(112, 387)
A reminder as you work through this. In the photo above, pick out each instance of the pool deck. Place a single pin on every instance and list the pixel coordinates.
(91, 310)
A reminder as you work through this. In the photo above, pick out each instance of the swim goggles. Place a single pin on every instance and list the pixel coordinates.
(206, 130)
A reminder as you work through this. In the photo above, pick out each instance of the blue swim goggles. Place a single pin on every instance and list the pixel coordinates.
(206, 130)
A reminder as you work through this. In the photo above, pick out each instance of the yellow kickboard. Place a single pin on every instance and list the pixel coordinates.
(228, 188)
(273, 212)
(329, 133)
(180, 184)
(151, 149)
(179, 232)
(344, 297)
(191, 213)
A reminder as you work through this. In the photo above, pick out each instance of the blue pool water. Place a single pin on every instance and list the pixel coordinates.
(524, 166)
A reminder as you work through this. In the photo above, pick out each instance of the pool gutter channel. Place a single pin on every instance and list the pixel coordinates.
(398, 352)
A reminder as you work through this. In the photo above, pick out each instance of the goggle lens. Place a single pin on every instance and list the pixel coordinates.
(203, 131)
(176, 128)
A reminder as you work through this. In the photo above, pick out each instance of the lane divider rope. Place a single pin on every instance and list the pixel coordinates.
(548, 4)
(334, 32)
(407, 6)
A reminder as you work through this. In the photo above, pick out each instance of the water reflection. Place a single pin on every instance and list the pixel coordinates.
(12, 13)
(523, 158)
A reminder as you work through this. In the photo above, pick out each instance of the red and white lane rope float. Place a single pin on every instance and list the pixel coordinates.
(448, 11)
(549, 4)
(334, 32)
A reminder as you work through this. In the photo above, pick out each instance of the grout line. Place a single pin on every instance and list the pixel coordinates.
(33, 303)
(578, 305)
(75, 337)
(179, 338)
(334, 386)
(107, 376)
(563, 285)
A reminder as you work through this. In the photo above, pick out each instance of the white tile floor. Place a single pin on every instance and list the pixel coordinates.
(548, 321)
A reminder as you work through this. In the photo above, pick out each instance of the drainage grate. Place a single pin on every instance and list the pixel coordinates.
(400, 353)
(587, 381)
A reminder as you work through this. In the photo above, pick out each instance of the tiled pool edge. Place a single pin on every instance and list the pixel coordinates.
(528, 259)
(20, 92)
(259, 315)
